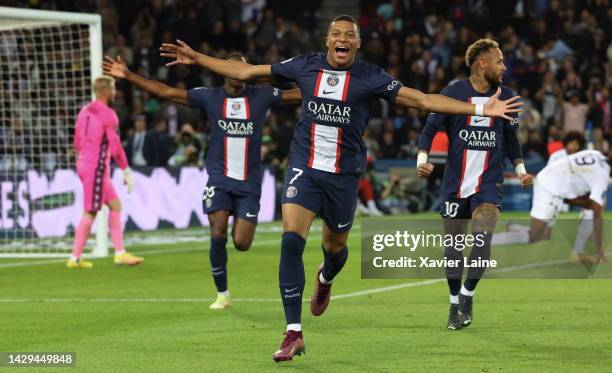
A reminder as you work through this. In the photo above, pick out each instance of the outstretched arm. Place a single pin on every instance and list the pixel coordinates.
(183, 54)
(118, 69)
(443, 104)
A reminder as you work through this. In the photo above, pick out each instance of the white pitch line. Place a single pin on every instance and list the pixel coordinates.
(360, 293)
(140, 252)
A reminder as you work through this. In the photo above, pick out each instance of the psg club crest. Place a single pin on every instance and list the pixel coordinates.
(236, 106)
(332, 80)
(291, 191)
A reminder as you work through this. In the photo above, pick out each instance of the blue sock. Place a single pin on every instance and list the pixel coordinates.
(291, 276)
(333, 263)
(454, 273)
(218, 262)
(480, 250)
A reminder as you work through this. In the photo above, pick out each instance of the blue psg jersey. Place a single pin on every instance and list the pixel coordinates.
(233, 157)
(335, 110)
(476, 144)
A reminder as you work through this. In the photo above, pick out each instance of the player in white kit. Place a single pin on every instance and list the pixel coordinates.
(579, 179)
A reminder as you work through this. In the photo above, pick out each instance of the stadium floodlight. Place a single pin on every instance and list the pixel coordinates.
(48, 61)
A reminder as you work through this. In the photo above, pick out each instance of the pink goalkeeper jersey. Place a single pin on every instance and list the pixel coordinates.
(96, 138)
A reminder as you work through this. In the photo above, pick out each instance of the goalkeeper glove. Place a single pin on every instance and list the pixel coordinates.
(128, 179)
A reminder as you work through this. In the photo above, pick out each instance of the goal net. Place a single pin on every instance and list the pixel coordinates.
(47, 63)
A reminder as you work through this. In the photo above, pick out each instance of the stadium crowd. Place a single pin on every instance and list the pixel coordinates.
(558, 54)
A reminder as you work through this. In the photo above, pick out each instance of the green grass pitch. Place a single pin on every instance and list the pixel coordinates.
(155, 317)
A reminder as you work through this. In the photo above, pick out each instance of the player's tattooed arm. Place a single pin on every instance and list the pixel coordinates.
(240, 70)
(436, 103)
(291, 96)
(118, 69)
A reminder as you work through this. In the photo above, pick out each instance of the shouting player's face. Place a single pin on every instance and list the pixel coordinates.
(342, 43)
(494, 67)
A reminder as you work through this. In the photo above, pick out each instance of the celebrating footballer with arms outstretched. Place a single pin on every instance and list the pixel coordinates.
(327, 152)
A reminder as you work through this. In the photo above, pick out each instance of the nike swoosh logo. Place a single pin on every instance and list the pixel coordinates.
(290, 290)
(234, 113)
(328, 92)
(249, 215)
(479, 120)
(343, 225)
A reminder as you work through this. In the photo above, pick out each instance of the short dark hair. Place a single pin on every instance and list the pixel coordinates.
(344, 17)
(574, 136)
(478, 47)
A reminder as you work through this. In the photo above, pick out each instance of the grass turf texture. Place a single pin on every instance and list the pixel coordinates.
(155, 317)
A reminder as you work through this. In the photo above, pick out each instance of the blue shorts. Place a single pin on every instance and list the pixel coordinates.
(241, 205)
(462, 208)
(332, 196)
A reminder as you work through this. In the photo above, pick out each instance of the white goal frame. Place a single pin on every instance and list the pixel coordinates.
(41, 18)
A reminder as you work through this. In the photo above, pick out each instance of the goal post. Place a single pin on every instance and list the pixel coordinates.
(48, 61)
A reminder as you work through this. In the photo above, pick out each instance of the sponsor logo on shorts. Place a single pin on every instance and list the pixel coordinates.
(249, 215)
(291, 191)
(343, 225)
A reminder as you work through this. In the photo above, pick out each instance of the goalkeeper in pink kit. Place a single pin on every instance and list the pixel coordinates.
(96, 141)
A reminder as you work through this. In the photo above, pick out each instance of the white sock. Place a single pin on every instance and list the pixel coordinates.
(323, 280)
(224, 293)
(74, 258)
(373, 209)
(466, 292)
(510, 238)
(294, 327)
(585, 227)
(119, 252)
(514, 227)
(454, 299)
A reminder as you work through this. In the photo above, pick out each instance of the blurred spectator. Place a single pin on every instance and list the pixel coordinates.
(188, 148)
(163, 143)
(13, 146)
(120, 49)
(140, 147)
(574, 113)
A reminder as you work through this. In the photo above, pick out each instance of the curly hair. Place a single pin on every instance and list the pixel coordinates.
(478, 47)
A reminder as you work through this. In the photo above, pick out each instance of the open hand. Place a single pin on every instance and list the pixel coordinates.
(115, 68)
(494, 107)
(181, 52)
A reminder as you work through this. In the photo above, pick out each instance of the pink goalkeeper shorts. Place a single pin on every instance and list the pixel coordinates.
(98, 188)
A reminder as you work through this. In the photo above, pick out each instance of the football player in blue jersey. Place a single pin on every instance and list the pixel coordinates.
(236, 113)
(473, 176)
(327, 152)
